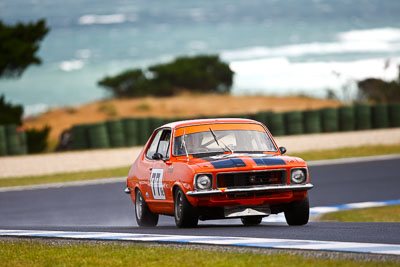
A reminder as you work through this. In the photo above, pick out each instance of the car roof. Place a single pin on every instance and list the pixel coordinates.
(178, 124)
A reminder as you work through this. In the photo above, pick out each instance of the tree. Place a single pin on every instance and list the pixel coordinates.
(9, 113)
(126, 84)
(379, 91)
(198, 74)
(18, 47)
(201, 73)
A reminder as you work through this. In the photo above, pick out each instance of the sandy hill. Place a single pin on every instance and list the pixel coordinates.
(178, 106)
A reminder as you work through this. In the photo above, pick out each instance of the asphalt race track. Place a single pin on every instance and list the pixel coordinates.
(105, 207)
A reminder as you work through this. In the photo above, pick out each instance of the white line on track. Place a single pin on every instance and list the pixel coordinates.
(374, 248)
(317, 211)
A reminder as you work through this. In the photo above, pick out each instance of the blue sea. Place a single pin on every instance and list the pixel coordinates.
(277, 47)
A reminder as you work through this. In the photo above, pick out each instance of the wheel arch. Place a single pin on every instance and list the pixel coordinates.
(176, 187)
(133, 192)
(192, 200)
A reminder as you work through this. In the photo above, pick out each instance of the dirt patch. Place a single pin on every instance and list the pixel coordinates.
(183, 106)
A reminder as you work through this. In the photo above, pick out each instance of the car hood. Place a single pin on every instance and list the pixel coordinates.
(236, 160)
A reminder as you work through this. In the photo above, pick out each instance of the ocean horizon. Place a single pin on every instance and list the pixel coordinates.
(274, 47)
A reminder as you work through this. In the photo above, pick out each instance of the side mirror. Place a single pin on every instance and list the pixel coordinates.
(282, 149)
(157, 156)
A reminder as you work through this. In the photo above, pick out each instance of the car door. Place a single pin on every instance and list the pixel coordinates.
(146, 167)
(160, 197)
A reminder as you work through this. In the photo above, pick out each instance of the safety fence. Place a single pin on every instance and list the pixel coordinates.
(136, 131)
(13, 140)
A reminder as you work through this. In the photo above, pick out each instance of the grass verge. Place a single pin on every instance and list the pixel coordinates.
(362, 151)
(41, 254)
(123, 171)
(64, 177)
(377, 214)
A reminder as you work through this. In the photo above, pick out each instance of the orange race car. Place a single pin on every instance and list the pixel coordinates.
(217, 168)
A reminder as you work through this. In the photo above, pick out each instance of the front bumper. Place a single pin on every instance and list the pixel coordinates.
(275, 188)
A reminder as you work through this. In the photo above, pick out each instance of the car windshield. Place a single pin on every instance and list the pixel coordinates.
(214, 139)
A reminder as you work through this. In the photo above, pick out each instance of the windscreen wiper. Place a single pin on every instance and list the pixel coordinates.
(216, 141)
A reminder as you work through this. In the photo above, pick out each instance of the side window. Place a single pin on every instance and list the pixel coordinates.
(153, 147)
(163, 147)
(160, 144)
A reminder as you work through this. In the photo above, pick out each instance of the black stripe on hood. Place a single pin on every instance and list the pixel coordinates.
(228, 163)
(269, 161)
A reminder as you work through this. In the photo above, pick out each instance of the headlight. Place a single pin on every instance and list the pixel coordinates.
(203, 181)
(298, 176)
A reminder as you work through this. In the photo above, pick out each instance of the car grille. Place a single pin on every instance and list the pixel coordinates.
(250, 179)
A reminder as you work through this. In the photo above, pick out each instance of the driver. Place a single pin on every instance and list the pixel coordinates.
(192, 141)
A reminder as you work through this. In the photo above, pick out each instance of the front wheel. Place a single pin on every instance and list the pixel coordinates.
(144, 217)
(298, 213)
(185, 214)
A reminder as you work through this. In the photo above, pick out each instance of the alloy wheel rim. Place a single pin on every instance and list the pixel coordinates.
(179, 206)
(139, 205)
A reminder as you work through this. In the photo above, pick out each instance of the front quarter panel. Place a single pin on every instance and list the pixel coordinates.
(183, 175)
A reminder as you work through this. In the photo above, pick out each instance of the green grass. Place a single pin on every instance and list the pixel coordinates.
(361, 151)
(36, 253)
(123, 171)
(64, 177)
(378, 214)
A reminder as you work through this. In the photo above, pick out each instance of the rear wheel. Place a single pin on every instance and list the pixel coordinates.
(144, 217)
(185, 214)
(298, 213)
(252, 220)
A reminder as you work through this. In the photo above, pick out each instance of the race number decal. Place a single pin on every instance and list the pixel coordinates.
(156, 183)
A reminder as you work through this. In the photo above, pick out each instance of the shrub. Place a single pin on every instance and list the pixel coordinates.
(143, 107)
(37, 139)
(108, 109)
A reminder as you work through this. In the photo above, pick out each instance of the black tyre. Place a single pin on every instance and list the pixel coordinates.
(185, 214)
(144, 217)
(298, 213)
(251, 220)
